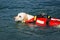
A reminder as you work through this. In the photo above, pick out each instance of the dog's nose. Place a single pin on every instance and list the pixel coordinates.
(15, 17)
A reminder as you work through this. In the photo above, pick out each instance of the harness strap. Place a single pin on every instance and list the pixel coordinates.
(35, 17)
(48, 20)
(49, 17)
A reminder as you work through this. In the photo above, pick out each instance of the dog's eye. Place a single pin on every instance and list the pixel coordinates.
(19, 16)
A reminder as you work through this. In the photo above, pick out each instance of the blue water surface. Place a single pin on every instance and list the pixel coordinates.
(10, 30)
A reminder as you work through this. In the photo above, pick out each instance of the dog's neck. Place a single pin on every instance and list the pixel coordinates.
(27, 17)
(30, 17)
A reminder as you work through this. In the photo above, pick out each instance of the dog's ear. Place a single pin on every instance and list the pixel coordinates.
(25, 18)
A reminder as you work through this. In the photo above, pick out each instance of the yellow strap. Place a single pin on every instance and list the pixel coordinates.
(48, 16)
(35, 18)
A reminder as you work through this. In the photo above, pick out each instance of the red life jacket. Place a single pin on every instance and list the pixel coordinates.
(43, 21)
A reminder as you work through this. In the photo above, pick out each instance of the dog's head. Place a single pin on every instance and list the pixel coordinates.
(20, 16)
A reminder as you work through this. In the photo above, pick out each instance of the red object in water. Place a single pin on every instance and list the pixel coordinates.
(43, 21)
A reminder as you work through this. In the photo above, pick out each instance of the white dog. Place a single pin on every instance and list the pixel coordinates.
(23, 17)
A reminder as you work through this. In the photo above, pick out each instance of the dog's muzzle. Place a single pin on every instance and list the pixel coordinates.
(16, 20)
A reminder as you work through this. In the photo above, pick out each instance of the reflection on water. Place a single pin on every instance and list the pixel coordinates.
(37, 32)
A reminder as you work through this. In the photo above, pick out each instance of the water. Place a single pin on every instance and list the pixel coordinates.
(9, 30)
